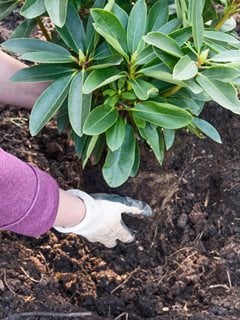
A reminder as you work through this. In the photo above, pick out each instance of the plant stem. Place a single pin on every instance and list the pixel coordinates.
(171, 91)
(228, 13)
(43, 29)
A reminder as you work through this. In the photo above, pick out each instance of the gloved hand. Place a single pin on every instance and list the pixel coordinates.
(103, 219)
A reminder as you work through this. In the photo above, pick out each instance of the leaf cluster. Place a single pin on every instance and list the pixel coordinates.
(122, 72)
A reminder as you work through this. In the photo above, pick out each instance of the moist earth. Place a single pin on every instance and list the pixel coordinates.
(185, 262)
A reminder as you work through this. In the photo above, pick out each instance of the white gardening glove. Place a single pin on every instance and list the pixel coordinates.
(103, 219)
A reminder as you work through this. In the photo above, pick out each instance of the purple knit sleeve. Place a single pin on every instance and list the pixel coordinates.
(29, 197)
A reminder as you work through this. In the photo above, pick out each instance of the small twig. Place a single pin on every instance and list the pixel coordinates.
(29, 277)
(121, 315)
(48, 314)
(126, 280)
(229, 280)
(224, 286)
(6, 283)
(154, 237)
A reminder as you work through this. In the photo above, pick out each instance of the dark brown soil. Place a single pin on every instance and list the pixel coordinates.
(185, 262)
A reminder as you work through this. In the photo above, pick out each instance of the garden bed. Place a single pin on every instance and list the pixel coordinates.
(184, 263)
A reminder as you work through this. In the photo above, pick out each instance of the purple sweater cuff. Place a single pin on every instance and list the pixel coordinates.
(29, 197)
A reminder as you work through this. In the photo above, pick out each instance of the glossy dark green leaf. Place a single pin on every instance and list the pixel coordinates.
(185, 68)
(79, 143)
(166, 58)
(164, 42)
(100, 119)
(197, 23)
(98, 78)
(72, 32)
(23, 45)
(41, 73)
(207, 129)
(115, 134)
(62, 118)
(151, 135)
(223, 73)
(91, 36)
(137, 23)
(24, 29)
(171, 26)
(112, 60)
(110, 28)
(119, 163)
(57, 10)
(79, 104)
(136, 163)
(169, 137)
(145, 55)
(121, 14)
(223, 93)
(89, 147)
(221, 36)
(98, 150)
(48, 57)
(181, 35)
(6, 8)
(143, 89)
(163, 114)
(158, 15)
(227, 56)
(33, 8)
(48, 104)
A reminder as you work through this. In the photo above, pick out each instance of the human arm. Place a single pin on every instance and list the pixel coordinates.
(13, 93)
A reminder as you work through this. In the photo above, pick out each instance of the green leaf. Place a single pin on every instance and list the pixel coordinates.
(48, 104)
(145, 56)
(197, 23)
(62, 118)
(119, 163)
(115, 134)
(136, 163)
(100, 119)
(163, 42)
(91, 35)
(151, 135)
(207, 129)
(227, 56)
(89, 147)
(171, 26)
(223, 93)
(143, 89)
(79, 143)
(112, 60)
(163, 114)
(79, 104)
(140, 123)
(221, 36)
(169, 137)
(158, 15)
(41, 73)
(121, 14)
(23, 45)
(24, 29)
(48, 57)
(223, 72)
(98, 78)
(57, 10)
(166, 58)
(181, 35)
(72, 32)
(33, 8)
(111, 29)
(98, 150)
(136, 25)
(185, 69)
(7, 8)
(161, 75)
